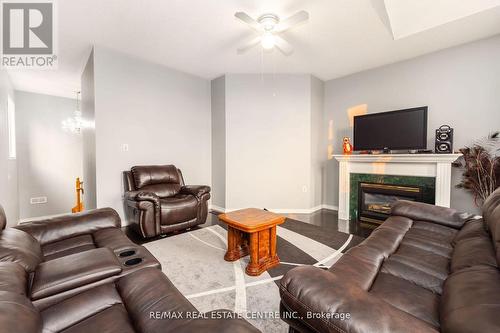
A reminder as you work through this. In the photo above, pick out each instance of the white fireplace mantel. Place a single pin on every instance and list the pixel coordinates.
(423, 165)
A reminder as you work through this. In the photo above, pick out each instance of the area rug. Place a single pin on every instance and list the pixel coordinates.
(194, 262)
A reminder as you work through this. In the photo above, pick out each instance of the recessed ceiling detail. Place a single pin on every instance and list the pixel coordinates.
(200, 37)
(409, 17)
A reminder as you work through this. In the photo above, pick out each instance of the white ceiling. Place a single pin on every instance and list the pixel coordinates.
(201, 36)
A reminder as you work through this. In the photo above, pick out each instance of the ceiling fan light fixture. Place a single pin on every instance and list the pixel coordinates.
(270, 27)
(268, 41)
(268, 21)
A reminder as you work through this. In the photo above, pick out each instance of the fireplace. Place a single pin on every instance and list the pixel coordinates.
(374, 200)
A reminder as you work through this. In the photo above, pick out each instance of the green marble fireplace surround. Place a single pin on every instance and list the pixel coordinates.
(427, 184)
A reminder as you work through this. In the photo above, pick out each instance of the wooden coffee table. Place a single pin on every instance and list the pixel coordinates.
(252, 231)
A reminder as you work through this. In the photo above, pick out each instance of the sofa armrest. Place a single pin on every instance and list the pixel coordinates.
(196, 190)
(142, 196)
(425, 212)
(328, 303)
(65, 226)
(150, 205)
(150, 297)
(73, 271)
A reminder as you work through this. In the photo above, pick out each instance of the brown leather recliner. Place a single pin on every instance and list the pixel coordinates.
(158, 202)
(68, 254)
(425, 269)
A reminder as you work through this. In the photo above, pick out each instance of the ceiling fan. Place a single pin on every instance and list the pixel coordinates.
(269, 26)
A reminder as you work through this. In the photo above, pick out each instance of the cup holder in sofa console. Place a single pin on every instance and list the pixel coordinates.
(127, 253)
(133, 261)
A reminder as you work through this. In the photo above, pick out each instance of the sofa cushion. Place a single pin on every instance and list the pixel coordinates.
(407, 296)
(74, 310)
(177, 209)
(73, 271)
(472, 228)
(112, 320)
(433, 238)
(163, 180)
(413, 274)
(310, 290)
(18, 246)
(149, 290)
(491, 215)
(13, 278)
(422, 260)
(361, 263)
(68, 246)
(112, 238)
(17, 314)
(126, 305)
(470, 301)
(474, 251)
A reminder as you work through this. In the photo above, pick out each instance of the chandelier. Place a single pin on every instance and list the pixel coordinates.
(76, 123)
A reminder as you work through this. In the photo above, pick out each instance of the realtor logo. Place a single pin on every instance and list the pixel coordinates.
(28, 34)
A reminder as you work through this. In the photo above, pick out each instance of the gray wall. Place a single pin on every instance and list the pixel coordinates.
(8, 167)
(162, 114)
(461, 86)
(48, 158)
(88, 134)
(218, 107)
(268, 141)
(317, 137)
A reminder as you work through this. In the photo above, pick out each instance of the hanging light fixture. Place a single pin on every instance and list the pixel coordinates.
(74, 124)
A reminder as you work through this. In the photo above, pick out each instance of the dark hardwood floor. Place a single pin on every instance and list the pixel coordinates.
(324, 218)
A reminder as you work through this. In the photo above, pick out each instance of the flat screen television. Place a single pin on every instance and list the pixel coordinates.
(394, 130)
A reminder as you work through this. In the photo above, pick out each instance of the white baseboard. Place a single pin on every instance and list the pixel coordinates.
(280, 210)
(330, 207)
(217, 209)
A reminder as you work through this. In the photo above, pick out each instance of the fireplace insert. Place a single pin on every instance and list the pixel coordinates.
(375, 200)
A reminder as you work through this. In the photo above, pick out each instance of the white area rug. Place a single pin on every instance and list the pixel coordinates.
(194, 262)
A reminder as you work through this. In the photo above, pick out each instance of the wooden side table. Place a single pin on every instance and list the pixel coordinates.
(252, 231)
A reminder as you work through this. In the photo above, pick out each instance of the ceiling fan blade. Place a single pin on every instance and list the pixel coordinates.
(283, 45)
(293, 21)
(248, 45)
(248, 20)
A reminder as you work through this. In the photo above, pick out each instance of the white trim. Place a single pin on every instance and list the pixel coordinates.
(330, 207)
(399, 158)
(281, 210)
(217, 208)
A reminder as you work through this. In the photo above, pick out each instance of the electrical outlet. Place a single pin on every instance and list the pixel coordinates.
(304, 188)
(38, 200)
(125, 147)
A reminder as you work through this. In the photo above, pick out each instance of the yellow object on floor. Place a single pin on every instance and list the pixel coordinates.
(79, 193)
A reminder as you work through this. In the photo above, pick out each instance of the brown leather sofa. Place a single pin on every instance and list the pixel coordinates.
(80, 273)
(425, 269)
(158, 202)
(71, 253)
(138, 302)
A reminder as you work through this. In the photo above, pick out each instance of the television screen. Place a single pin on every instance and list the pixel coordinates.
(394, 130)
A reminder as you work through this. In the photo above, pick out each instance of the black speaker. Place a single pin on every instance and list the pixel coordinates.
(444, 140)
